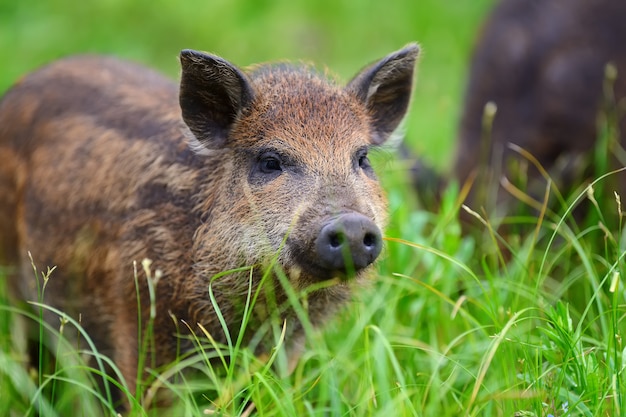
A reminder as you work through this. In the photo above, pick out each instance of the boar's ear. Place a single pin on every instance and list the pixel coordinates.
(385, 89)
(213, 93)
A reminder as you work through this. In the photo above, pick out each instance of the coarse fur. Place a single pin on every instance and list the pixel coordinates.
(96, 171)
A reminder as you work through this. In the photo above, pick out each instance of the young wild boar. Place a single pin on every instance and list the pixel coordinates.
(542, 63)
(103, 163)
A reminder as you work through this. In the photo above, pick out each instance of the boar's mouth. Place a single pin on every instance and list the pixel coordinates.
(344, 246)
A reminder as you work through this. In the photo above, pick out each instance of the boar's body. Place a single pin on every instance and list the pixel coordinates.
(96, 172)
(542, 63)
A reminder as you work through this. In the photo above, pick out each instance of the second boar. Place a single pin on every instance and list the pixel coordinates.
(542, 63)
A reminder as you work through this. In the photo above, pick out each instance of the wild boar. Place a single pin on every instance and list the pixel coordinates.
(542, 64)
(104, 162)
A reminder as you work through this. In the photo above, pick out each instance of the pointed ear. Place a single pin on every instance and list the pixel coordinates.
(213, 93)
(385, 90)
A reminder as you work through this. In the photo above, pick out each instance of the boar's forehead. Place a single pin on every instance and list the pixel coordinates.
(298, 105)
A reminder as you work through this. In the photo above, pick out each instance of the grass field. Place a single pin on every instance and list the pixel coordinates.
(450, 327)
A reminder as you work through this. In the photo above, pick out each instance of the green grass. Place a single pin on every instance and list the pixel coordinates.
(449, 327)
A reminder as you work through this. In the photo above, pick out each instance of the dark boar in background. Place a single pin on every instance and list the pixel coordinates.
(96, 171)
(542, 63)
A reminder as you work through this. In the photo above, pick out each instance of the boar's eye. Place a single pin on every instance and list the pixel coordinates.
(363, 160)
(270, 165)
(266, 166)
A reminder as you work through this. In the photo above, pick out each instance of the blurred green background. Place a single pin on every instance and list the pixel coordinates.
(343, 35)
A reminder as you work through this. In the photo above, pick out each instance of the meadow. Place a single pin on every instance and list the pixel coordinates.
(530, 325)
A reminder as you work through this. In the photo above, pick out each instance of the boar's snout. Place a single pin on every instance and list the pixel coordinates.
(350, 240)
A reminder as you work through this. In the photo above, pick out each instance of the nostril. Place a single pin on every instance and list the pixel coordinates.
(336, 240)
(370, 240)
